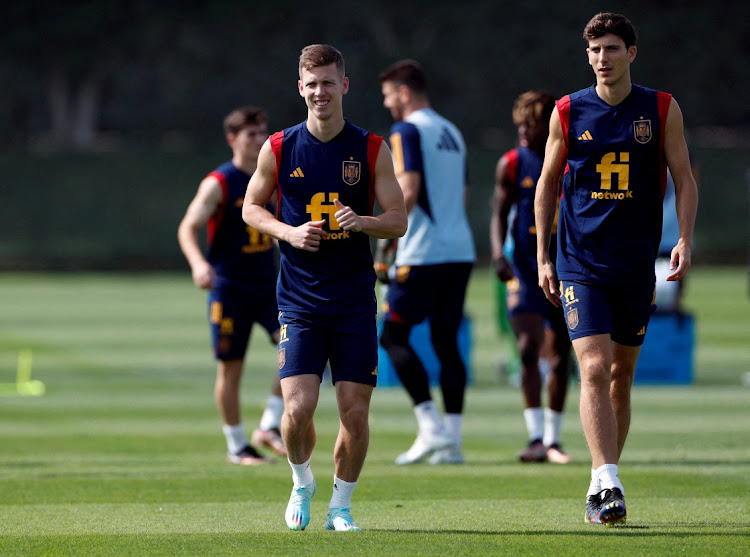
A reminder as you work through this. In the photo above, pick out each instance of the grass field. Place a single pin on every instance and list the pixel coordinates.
(123, 454)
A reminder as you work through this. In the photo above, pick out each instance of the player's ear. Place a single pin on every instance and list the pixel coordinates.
(345, 90)
(404, 93)
(632, 52)
(299, 86)
(230, 139)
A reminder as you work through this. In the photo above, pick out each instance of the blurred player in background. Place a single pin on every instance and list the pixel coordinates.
(615, 141)
(433, 261)
(539, 326)
(239, 270)
(327, 173)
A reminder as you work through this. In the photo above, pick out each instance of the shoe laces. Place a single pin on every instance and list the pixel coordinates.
(302, 493)
(606, 495)
(344, 513)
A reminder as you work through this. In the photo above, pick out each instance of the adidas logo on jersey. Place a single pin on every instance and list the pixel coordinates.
(642, 331)
(297, 173)
(447, 142)
(586, 136)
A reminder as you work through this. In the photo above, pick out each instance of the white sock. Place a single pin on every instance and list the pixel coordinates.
(608, 477)
(302, 473)
(428, 417)
(271, 417)
(236, 438)
(534, 423)
(342, 494)
(552, 425)
(595, 486)
(453, 427)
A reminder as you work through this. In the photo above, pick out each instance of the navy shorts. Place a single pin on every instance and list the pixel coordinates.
(434, 291)
(621, 311)
(523, 295)
(348, 342)
(233, 310)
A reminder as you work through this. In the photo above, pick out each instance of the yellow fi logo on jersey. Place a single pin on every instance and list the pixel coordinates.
(614, 166)
(319, 206)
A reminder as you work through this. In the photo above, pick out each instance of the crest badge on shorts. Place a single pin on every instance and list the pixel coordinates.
(642, 130)
(282, 357)
(572, 318)
(351, 172)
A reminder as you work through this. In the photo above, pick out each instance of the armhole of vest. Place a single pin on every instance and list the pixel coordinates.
(663, 100)
(511, 165)
(215, 220)
(276, 141)
(373, 148)
(563, 111)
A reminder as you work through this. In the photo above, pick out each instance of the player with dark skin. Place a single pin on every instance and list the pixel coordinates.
(527, 311)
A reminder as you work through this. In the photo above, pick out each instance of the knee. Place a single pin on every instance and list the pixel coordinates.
(622, 376)
(529, 356)
(394, 334)
(595, 371)
(528, 351)
(355, 421)
(298, 413)
(444, 341)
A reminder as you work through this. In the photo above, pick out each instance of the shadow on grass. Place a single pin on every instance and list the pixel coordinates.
(639, 530)
(692, 462)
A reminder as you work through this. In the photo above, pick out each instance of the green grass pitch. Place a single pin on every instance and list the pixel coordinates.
(123, 453)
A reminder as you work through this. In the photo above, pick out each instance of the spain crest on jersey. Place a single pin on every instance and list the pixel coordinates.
(352, 170)
(572, 318)
(642, 130)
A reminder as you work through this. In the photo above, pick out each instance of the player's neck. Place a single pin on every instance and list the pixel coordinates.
(248, 166)
(614, 93)
(327, 129)
(414, 106)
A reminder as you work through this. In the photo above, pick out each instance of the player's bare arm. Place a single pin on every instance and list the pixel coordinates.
(686, 191)
(205, 203)
(545, 204)
(259, 190)
(410, 181)
(392, 222)
(502, 201)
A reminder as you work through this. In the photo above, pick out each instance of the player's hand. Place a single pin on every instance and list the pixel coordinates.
(347, 219)
(385, 255)
(503, 269)
(381, 272)
(204, 275)
(308, 236)
(680, 261)
(548, 282)
(385, 250)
